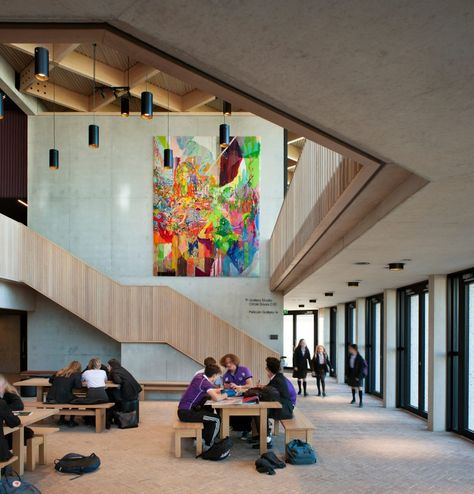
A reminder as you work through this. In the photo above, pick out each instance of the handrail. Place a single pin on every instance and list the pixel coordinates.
(125, 313)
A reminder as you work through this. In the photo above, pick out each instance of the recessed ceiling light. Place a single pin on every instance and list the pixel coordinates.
(396, 266)
(312, 300)
(362, 263)
(328, 294)
(352, 283)
(301, 305)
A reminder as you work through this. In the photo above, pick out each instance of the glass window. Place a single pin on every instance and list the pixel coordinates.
(378, 347)
(470, 357)
(414, 349)
(288, 339)
(427, 350)
(305, 330)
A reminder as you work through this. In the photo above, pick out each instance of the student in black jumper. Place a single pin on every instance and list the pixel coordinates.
(321, 366)
(62, 384)
(12, 402)
(301, 362)
(10, 420)
(356, 373)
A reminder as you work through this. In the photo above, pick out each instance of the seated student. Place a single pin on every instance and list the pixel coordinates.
(11, 402)
(237, 376)
(191, 406)
(292, 391)
(129, 387)
(279, 382)
(211, 361)
(62, 384)
(10, 420)
(95, 379)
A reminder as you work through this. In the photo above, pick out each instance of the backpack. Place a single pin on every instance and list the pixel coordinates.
(365, 368)
(220, 450)
(77, 464)
(126, 420)
(300, 453)
(11, 483)
(266, 393)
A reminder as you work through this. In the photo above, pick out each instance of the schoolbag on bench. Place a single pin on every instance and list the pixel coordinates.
(77, 464)
(300, 453)
(220, 450)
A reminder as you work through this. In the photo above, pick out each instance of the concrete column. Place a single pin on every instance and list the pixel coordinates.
(437, 358)
(390, 348)
(360, 325)
(340, 342)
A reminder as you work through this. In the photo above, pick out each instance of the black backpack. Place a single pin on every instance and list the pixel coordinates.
(265, 393)
(220, 450)
(77, 464)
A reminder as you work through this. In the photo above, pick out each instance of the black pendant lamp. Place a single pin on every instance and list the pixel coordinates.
(227, 108)
(168, 152)
(93, 128)
(41, 63)
(124, 106)
(2, 105)
(147, 105)
(224, 129)
(53, 152)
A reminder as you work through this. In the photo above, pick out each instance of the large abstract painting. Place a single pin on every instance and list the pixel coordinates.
(206, 209)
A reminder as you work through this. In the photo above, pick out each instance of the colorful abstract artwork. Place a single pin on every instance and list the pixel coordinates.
(206, 209)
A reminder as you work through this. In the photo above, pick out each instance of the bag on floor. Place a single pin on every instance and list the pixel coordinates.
(126, 420)
(300, 453)
(77, 464)
(12, 483)
(220, 450)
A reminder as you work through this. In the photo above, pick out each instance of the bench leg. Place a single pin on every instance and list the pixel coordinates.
(141, 396)
(287, 436)
(42, 452)
(198, 443)
(30, 456)
(177, 445)
(99, 419)
(276, 427)
(309, 436)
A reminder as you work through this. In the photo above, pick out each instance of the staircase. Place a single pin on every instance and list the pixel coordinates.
(145, 314)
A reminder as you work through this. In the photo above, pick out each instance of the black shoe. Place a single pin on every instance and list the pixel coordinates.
(269, 445)
(305, 393)
(319, 394)
(353, 401)
(299, 392)
(253, 440)
(361, 405)
(324, 395)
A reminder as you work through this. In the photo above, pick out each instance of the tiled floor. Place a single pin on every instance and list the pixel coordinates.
(369, 450)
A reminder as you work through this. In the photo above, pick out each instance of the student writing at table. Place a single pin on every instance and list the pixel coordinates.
(95, 379)
(62, 384)
(191, 406)
(11, 400)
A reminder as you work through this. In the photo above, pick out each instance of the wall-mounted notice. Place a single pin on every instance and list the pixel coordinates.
(262, 305)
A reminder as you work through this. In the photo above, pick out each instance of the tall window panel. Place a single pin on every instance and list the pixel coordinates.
(350, 325)
(412, 348)
(461, 353)
(305, 330)
(288, 339)
(296, 326)
(374, 345)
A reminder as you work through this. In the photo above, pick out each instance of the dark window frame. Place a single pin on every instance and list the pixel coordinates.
(349, 334)
(295, 313)
(371, 303)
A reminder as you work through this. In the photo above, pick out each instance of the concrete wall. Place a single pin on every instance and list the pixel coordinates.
(15, 296)
(98, 205)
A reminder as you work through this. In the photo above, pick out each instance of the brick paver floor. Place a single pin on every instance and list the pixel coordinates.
(368, 450)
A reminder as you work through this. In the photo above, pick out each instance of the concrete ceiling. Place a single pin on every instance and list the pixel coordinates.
(394, 78)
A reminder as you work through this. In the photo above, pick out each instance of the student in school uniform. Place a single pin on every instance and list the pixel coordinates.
(95, 379)
(11, 402)
(211, 361)
(321, 366)
(237, 377)
(301, 362)
(62, 384)
(6, 418)
(356, 373)
(191, 406)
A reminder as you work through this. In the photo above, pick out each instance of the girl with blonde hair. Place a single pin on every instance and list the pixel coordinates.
(95, 379)
(320, 365)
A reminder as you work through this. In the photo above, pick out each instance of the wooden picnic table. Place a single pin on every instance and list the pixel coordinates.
(42, 383)
(19, 435)
(232, 407)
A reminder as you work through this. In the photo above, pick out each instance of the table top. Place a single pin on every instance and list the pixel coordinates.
(236, 402)
(44, 382)
(164, 383)
(36, 416)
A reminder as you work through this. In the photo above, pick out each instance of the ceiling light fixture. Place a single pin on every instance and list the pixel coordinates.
(224, 131)
(41, 63)
(53, 152)
(93, 128)
(352, 283)
(168, 152)
(328, 294)
(312, 300)
(227, 108)
(362, 263)
(125, 99)
(22, 202)
(300, 305)
(396, 266)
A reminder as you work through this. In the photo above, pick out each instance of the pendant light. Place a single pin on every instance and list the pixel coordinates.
(168, 153)
(124, 100)
(2, 105)
(41, 63)
(224, 130)
(93, 128)
(227, 107)
(53, 152)
(147, 105)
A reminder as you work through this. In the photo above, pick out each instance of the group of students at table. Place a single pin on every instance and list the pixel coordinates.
(210, 384)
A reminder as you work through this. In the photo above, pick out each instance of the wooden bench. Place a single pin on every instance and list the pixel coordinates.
(36, 447)
(97, 410)
(187, 429)
(162, 387)
(299, 427)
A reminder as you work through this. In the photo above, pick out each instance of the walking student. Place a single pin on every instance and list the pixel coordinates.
(301, 362)
(321, 366)
(191, 407)
(356, 373)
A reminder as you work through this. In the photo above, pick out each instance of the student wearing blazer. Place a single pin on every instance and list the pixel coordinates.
(301, 362)
(321, 366)
(356, 373)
